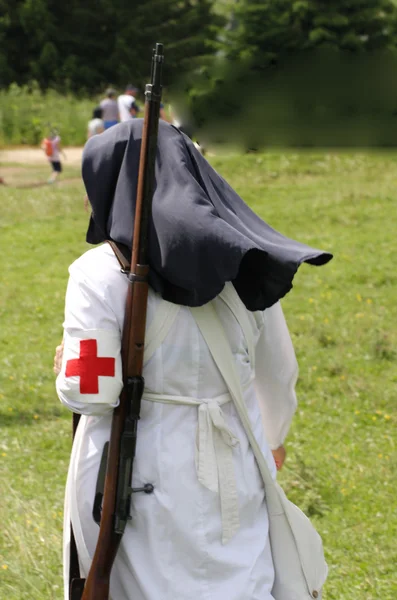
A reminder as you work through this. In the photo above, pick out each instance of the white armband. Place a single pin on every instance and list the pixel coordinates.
(91, 370)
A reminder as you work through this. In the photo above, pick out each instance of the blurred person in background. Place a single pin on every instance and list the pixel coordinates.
(110, 111)
(51, 145)
(96, 124)
(163, 114)
(125, 102)
(134, 110)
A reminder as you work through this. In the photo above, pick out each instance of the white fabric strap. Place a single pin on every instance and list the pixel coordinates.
(231, 298)
(159, 328)
(214, 461)
(297, 549)
(218, 344)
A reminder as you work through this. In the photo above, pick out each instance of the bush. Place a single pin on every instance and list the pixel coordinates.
(27, 114)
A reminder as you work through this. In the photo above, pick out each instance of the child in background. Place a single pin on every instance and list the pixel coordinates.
(96, 125)
(52, 148)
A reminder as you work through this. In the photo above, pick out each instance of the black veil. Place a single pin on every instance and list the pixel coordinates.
(201, 235)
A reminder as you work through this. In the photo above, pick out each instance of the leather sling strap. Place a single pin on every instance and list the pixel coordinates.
(122, 254)
(74, 569)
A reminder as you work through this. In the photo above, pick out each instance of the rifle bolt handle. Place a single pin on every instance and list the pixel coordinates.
(148, 488)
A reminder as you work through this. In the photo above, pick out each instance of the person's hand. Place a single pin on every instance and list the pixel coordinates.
(279, 456)
(58, 359)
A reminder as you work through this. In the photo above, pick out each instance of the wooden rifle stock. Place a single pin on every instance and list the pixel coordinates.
(121, 450)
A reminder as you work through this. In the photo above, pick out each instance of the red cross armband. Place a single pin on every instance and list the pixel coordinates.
(91, 372)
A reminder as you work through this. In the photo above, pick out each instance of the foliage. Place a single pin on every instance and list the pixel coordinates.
(271, 30)
(342, 462)
(303, 73)
(323, 98)
(27, 114)
(82, 46)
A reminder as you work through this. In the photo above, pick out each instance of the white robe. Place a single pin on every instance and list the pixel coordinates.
(172, 548)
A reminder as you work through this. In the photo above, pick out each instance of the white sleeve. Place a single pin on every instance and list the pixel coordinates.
(90, 380)
(276, 372)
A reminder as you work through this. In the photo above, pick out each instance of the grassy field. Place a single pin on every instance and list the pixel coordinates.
(26, 115)
(342, 462)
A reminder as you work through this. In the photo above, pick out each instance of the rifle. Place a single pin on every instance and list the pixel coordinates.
(120, 451)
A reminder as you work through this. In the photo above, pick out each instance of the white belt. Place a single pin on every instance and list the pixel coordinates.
(214, 459)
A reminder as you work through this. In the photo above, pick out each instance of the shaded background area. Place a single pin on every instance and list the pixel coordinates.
(322, 98)
(259, 73)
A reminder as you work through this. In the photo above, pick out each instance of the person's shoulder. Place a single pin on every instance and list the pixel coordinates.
(97, 266)
(124, 98)
(98, 272)
(232, 299)
(95, 257)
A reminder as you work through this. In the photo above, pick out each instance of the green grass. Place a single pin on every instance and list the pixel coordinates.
(341, 464)
(26, 115)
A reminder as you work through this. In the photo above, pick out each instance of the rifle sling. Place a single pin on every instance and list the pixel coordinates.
(76, 588)
(123, 255)
(74, 569)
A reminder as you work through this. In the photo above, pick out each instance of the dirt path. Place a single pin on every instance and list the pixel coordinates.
(34, 156)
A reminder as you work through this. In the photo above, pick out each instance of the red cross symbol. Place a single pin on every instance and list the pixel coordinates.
(89, 366)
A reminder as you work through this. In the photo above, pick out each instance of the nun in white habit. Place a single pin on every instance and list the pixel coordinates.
(203, 532)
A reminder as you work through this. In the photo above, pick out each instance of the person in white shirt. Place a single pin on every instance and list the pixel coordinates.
(125, 102)
(96, 124)
(204, 531)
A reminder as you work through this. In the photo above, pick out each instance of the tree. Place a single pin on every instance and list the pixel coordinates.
(311, 72)
(87, 45)
(187, 28)
(269, 29)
